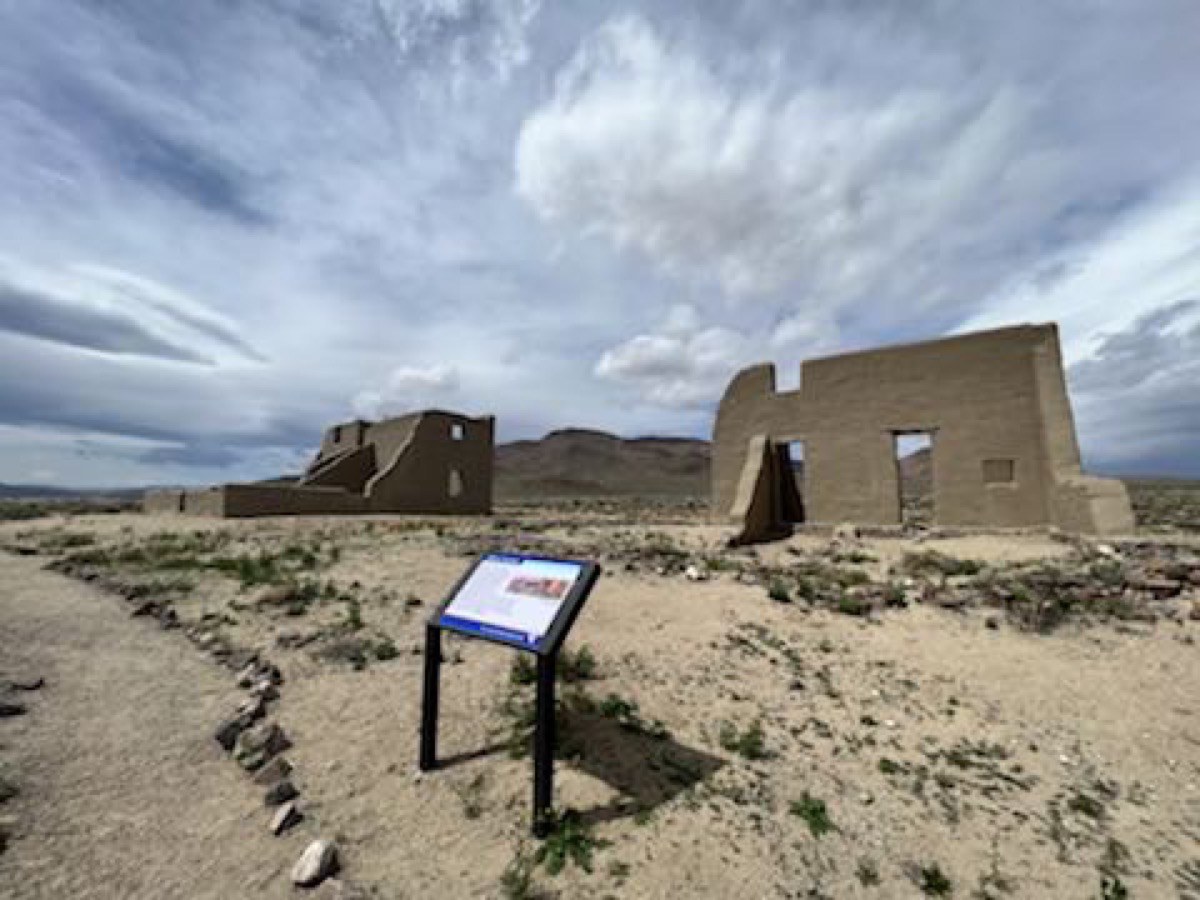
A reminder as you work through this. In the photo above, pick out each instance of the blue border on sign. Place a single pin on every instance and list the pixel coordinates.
(511, 635)
(496, 632)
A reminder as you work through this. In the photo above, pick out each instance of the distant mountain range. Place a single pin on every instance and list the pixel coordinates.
(576, 462)
(46, 492)
(573, 462)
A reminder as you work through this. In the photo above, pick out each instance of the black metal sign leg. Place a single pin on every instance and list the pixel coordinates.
(543, 748)
(429, 699)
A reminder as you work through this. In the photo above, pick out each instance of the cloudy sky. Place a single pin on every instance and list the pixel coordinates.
(225, 224)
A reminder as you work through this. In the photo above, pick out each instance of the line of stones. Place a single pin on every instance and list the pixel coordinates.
(255, 743)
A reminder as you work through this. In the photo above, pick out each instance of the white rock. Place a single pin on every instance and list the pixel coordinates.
(285, 817)
(846, 532)
(245, 678)
(692, 573)
(315, 864)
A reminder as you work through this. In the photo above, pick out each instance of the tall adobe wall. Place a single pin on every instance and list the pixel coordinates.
(994, 404)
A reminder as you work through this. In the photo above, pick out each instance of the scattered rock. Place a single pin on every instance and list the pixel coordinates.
(256, 746)
(276, 770)
(264, 690)
(227, 732)
(1194, 615)
(992, 622)
(8, 790)
(253, 707)
(280, 792)
(846, 532)
(694, 573)
(316, 863)
(259, 675)
(273, 595)
(247, 676)
(292, 639)
(9, 708)
(285, 817)
(1160, 588)
(26, 683)
(951, 599)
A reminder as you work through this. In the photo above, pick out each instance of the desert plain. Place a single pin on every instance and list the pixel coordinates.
(840, 714)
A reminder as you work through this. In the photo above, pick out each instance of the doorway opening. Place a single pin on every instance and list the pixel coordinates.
(790, 466)
(914, 473)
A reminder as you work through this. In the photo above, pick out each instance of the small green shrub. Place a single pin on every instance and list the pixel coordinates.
(750, 744)
(626, 714)
(778, 591)
(852, 605)
(517, 881)
(1112, 888)
(867, 872)
(933, 881)
(385, 649)
(570, 840)
(578, 666)
(814, 813)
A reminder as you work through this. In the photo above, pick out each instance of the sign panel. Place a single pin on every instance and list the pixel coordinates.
(523, 600)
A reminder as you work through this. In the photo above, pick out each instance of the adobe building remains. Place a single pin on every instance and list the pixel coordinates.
(425, 462)
(994, 405)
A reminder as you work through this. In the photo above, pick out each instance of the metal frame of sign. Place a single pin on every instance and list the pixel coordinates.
(546, 650)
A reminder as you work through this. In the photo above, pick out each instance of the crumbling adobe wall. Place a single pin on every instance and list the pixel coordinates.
(427, 462)
(444, 465)
(992, 401)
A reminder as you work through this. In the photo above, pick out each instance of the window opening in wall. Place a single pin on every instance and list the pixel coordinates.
(337, 433)
(457, 431)
(790, 481)
(454, 485)
(914, 471)
(999, 471)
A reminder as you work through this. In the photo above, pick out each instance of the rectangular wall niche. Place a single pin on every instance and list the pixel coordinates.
(999, 471)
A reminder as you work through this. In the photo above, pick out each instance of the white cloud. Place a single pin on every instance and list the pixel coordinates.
(238, 217)
(407, 388)
(685, 366)
(908, 182)
(753, 185)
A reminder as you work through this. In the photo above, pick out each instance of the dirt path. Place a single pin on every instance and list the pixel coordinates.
(124, 793)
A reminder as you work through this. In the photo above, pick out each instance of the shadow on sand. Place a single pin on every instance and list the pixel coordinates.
(646, 770)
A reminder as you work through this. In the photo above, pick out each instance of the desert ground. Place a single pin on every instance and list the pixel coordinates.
(835, 715)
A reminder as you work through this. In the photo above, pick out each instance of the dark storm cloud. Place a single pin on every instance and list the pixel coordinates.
(49, 318)
(193, 321)
(1139, 390)
(1159, 344)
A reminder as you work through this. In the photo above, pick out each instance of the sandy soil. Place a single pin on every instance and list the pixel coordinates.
(930, 745)
(123, 793)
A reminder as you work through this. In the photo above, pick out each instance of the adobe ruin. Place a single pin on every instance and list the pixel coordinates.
(424, 462)
(993, 403)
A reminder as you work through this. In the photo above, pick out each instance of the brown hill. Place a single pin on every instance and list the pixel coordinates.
(578, 462)
(916, 472)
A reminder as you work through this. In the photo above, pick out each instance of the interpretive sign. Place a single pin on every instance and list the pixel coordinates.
(527, 602)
